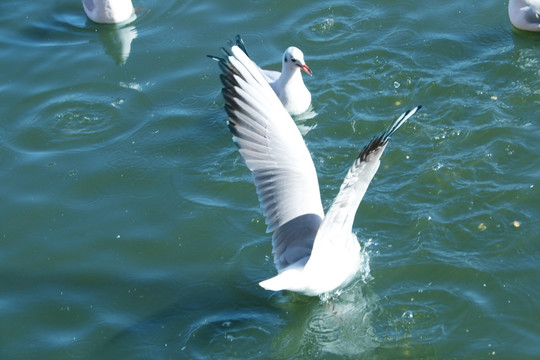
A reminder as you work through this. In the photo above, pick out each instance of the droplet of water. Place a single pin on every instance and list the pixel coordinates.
(407, 315)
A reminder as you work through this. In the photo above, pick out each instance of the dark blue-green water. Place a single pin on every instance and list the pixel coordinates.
(130, 228)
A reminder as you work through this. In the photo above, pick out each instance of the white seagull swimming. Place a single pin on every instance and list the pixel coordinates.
(525, 14)
(288, 84)
(313, 253)
(108, 11)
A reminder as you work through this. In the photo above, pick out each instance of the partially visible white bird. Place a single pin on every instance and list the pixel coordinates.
(525, 14)
(288, 84)
(313, 253)
(109, 11)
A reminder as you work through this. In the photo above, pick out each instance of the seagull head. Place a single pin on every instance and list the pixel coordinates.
(293, 58)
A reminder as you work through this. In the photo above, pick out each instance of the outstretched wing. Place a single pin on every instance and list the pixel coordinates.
(270, 75)
(340, 216)
(274, 151)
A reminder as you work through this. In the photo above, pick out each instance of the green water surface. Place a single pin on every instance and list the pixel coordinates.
(130, 228)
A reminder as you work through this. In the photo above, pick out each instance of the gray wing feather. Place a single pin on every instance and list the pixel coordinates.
(532, 15)
(274, 151)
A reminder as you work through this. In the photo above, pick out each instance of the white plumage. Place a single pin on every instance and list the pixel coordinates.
(525, 14)
(313, 253)
(108, 11)
(288, 84)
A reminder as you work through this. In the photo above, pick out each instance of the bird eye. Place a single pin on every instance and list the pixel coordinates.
(293, 59)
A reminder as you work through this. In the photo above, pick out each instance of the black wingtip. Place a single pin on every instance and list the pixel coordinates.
(402, 119)
(372, 146)
(382, 139)
(240, 43)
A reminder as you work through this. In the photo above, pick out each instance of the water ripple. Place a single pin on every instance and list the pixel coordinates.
(337, 326)
(201, 324)
(78, 118)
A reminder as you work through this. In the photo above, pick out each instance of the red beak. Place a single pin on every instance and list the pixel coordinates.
(306, 69)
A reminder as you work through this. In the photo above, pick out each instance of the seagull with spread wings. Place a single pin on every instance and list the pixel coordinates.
(314, 253)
